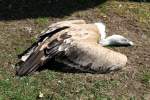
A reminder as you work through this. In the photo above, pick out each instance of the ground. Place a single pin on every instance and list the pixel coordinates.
(19, 30)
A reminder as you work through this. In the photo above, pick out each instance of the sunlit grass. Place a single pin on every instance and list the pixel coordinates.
(145, 78)
(41, 21)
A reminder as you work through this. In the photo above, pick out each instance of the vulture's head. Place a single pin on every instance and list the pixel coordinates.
(116, 40)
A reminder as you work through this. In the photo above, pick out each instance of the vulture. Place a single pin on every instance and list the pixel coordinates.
(76, 44)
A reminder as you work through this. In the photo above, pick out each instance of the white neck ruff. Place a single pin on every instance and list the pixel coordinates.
(101, 28)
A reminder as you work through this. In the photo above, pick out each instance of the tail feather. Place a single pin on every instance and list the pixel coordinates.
(31, 64)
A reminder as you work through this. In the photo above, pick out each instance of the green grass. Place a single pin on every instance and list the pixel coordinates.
(41, 21)
(78, 86)
(140, 11)
(145, 78)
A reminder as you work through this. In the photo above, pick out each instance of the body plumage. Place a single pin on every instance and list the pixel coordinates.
(75, 44)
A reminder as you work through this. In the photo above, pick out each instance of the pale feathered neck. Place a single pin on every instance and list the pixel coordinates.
(117, 40)
(101, 28)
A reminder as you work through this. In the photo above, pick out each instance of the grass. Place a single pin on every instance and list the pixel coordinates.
(41, 21)
(131, 84)
(145, 78)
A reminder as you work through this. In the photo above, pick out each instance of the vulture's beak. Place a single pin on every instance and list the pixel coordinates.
(131, 43)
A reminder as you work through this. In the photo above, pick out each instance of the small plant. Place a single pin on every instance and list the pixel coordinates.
(146, 78)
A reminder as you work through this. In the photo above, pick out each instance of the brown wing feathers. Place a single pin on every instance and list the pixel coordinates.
(31, 64)
(51, 30)
(43, 53)
(40, 39)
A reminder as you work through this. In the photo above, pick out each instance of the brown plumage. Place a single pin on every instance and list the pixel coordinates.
(75, 44)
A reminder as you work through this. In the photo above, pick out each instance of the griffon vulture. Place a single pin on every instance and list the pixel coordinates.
(76, 44)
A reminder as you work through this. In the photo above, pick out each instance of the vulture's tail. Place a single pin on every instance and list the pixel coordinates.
(35, 60)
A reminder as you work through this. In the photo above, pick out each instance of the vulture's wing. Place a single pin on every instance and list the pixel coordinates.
(51, 30)
(57, 45)
(44, 50)
(47, 49)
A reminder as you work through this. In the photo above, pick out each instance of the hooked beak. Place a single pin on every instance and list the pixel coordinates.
(131, 43)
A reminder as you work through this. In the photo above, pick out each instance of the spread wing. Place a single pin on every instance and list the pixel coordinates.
(36, 55)
(58, 45)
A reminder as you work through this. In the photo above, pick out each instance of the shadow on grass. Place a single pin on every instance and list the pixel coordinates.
(59, 67)
(54, 66)
(20, 9)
